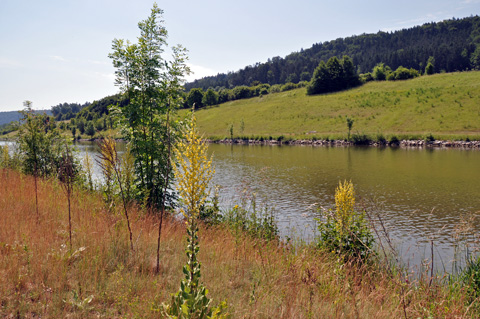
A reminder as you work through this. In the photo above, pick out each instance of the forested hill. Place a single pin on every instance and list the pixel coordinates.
(11, 116)
(455, 45)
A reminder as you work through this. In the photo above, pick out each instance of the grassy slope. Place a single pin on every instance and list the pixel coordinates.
(39, 278)
(446, 105)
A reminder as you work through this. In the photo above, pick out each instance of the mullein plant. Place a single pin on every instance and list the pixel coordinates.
(194, 171)
(345, 231)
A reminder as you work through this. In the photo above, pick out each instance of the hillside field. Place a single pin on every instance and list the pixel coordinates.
(444, 105)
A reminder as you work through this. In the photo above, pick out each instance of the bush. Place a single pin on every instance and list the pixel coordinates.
(360, 139)
(429, 138)
(344, 231)
(394, 140)
(288, 86)
(402, 73)
(366, 77)
(380, 138)
(242, 92)
(275, 88)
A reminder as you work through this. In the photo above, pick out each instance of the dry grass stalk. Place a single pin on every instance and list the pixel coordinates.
(67, 176)
(110, 164)
(39, 278)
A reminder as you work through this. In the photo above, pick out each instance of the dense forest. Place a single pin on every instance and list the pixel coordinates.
(66, 111)
(454, 44)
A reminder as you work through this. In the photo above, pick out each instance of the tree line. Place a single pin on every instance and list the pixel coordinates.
(454, 44)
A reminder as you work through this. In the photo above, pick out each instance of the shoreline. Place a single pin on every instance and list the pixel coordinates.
(342, 143)
(334, 143)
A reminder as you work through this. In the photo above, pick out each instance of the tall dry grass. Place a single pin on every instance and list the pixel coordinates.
(39, 277)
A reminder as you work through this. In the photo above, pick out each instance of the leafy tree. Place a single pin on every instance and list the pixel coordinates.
(195, 96)
(153, 87)
(210, 97)
(305, 76)
(99, 125)
(349, 126)
(333, 76)
(380, 72)
(350, 76)
(39, 143)
(475, 58)
(90, 129)
(81, 125)
(430, 68)
(223, 96)
(336, 75)
(241, 92)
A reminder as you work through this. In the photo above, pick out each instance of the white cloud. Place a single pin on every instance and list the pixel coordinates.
(199, 72)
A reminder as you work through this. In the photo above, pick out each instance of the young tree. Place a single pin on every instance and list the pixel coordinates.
(430, 68)
(90, 129)
(153, 86)
(195, 96)
(379, 72)
(210, 98)
(39, 143)
(349, 126)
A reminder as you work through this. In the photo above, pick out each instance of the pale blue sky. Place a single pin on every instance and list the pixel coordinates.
(55, 51)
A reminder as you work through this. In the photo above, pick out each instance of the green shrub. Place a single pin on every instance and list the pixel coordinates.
(429, 138)
(394, 140)
(360, 139)
(288, 86)
(344, 231)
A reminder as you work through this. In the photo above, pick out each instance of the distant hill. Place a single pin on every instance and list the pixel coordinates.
(11, 116)
(454, 44)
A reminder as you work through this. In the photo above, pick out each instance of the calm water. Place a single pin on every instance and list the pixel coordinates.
(421, 194)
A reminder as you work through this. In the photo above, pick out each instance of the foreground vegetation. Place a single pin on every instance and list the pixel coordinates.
(442, 105)
(258, 278)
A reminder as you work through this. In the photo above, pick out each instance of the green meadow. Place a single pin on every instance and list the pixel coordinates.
(444, 105)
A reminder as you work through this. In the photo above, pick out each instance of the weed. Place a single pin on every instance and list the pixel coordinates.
(194, 173)
(344, 231)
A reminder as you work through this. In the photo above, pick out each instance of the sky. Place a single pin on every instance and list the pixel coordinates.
(55, 51)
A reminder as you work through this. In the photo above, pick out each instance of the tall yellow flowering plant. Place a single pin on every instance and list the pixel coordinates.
(193, 169)
(345, 231)
(344, 204)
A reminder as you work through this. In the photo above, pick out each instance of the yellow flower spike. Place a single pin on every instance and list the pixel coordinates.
(193, 171)
(344, 202)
